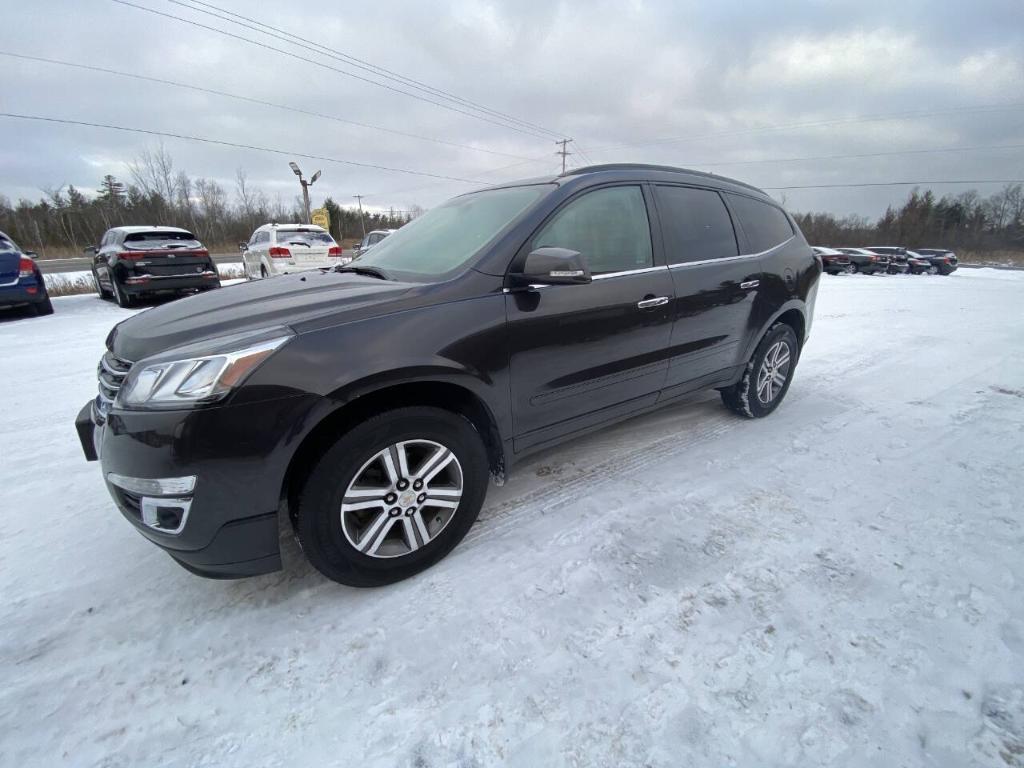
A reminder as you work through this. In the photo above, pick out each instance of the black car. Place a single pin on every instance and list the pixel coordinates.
(373, 400)
(21, 282)
(134, 261)
(919, 265)
(943, 261)
(868, 262)
(834, 261)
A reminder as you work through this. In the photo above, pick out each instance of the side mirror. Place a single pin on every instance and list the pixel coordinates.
(243, 247)
(30, 254)
(89, 249)
(554, 266)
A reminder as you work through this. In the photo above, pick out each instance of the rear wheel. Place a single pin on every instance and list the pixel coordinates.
(44, 307)
(392, 496)
(121, 296)
(766, 378)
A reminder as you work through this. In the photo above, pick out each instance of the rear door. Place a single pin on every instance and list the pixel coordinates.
(715, 285)
(582, 354)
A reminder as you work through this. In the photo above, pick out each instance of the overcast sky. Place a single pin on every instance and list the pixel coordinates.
(721, 80)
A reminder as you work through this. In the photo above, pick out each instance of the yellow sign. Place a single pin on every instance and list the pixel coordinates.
(321, 218)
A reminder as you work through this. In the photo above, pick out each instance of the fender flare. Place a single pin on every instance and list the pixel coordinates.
(755, 339)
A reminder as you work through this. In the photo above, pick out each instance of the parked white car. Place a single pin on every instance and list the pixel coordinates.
(281, 249)
(371, 239)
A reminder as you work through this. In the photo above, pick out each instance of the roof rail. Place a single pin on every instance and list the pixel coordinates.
(649, 167)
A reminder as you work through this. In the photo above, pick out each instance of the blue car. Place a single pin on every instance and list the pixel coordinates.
(21, 282)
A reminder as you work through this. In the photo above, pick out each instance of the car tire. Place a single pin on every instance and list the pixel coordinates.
(751, 396)
(44, 307)
(103, 294)
(851, 269)
(123, 299)
(378, 543)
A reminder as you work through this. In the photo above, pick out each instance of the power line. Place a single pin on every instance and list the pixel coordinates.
(362, 64)
(253, 100)
(819, 124)
(856, 156)
(236, 145)
(328, 66)
(543, 158)
(899, 184)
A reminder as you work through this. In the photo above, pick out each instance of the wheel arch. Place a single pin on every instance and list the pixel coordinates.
(365, 402)
(792, 313)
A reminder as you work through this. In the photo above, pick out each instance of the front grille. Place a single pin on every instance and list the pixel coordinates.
(110, 375)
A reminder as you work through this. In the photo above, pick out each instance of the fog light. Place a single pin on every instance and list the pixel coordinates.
(157, 486)
(165, 515)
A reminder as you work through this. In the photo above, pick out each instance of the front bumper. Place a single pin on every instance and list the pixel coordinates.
(238, 456)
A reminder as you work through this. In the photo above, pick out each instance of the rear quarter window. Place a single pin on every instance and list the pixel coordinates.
(764, 225)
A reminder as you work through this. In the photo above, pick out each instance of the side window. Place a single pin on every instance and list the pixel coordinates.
(696, 224)
(764, 225)
(255, 238)
(608, 226)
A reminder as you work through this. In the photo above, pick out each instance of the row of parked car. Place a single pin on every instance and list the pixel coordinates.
(133, 262)
(887, 260)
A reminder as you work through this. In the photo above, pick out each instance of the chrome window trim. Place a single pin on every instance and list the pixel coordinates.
(740, 257)
(606, 275)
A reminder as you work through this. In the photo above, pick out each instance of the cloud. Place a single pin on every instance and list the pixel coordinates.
(606, 73)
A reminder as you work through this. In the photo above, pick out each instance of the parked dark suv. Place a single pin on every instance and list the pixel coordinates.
(371, 401)
(132, 261)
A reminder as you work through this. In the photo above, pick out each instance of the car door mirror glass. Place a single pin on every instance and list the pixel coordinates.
(243, 247)
(554, 266)
(31, 254)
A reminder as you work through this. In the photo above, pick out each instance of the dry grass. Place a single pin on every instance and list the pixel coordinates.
(992, 258)
(61, 285)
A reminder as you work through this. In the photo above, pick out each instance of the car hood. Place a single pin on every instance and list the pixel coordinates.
(278, 301)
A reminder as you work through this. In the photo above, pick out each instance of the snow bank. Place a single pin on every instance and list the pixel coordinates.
(839, 584)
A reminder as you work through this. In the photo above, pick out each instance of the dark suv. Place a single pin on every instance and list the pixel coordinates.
(132, 261)
(371, 401)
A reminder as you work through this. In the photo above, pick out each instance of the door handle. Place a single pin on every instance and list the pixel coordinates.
(658, 301)
(750, 284)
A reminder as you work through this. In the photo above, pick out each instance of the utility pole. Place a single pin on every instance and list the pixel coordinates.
(563, 152)
(305, 188)
(362, 221)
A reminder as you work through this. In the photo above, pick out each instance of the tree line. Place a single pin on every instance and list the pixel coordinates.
(66, 219)
(966, 221)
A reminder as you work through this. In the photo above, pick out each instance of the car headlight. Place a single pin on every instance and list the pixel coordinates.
(171, 380)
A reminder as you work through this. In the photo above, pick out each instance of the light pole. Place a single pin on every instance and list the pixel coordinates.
(305, 186)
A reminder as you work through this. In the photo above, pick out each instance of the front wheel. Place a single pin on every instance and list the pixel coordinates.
(392, 496)
(767, 377)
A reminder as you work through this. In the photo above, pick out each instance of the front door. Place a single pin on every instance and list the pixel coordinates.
(582, 354)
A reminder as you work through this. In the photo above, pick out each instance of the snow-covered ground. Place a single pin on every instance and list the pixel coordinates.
(839, 584)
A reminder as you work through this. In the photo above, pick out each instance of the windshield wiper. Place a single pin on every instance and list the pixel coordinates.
(367, 270)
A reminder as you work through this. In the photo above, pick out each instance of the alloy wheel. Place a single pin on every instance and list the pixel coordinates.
(401, 498)
(774, 370)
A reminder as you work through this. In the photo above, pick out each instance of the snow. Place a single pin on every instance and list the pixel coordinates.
(839, 584)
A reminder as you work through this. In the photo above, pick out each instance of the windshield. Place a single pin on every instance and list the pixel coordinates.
(6, 246)
(304, 237)
(443, 239)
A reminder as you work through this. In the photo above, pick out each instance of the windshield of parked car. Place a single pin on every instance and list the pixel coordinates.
(445, 238)
(304, 237)
(142, 240)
